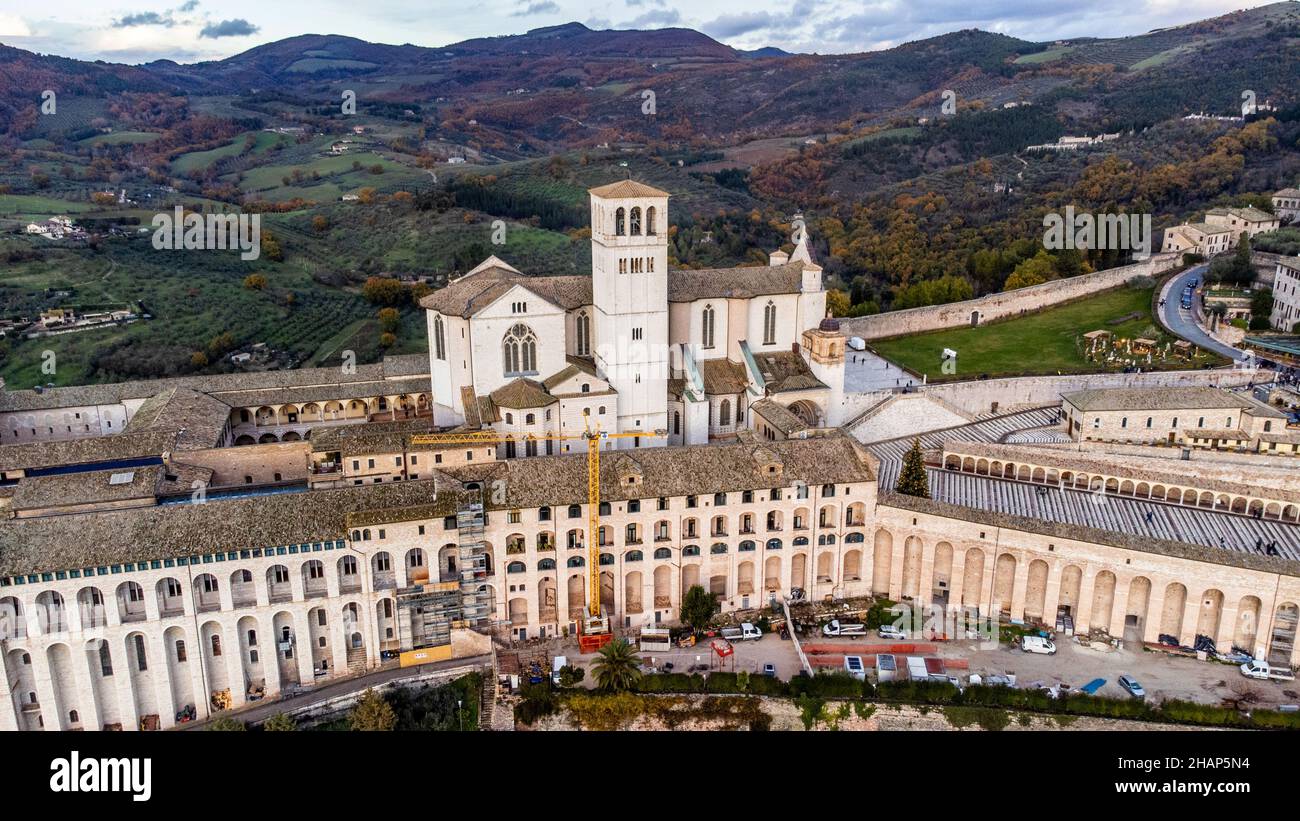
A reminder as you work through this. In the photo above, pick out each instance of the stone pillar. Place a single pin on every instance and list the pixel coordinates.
(52, 713)
(986, 585)
(896, 560)
(1227, 625)
(1119, 605)
(957, 578)
(1052, 594)
(1019, 588)
(1087, 582)
(8, 712)
(302, 648)
(1155, 611)
(926, 592)
(198, 681)
(232, 655)
(1191, 616)
(84, 687)
(339, 632)
(162, 677)
(121, 662)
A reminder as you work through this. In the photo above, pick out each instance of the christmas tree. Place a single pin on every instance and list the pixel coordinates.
(912, 479)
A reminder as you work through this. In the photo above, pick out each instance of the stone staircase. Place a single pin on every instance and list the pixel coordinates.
(356, 661)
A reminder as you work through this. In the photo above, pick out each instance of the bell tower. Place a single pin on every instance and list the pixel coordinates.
(629, 273)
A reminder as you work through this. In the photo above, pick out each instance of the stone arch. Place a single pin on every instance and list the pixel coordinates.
(808, 411)
(180, 655)
(1004, 580)
(577, 593)
(1071, 582)
(799, 570)
(941, 573)
(1171, 616)
(972, 577)
(663, 582)
(1281, 642)
(852, 566)
(912, 550)
(1211, 614)
(772, 573)
(66, 713)
(1103, 600)
(1139, 599)
(1036, 591)
(882, 557)
(1246, 634)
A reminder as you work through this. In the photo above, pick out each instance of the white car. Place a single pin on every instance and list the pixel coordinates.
(892, 632)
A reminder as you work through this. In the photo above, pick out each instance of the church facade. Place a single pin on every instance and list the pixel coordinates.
(683, 356)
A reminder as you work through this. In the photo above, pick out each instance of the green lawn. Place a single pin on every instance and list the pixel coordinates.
(36, 205)
(1042, 343)
(123, 138)
(199, 160)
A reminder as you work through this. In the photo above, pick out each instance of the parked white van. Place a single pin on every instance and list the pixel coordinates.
(1037, 644)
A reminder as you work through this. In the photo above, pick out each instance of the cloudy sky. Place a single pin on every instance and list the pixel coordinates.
(192, 30)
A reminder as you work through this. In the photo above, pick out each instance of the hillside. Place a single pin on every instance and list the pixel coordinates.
(907, 204)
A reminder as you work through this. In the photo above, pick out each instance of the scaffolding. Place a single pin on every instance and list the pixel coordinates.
(475, 598)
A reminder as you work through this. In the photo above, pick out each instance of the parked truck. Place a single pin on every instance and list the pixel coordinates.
(1259, 669)
(745, 632)
(838, 628)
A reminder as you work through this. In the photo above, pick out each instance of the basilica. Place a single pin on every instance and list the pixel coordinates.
(681, 356)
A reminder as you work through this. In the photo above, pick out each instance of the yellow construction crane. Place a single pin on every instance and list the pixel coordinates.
(593, 438)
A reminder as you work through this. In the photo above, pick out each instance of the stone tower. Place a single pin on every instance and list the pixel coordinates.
(629, 272)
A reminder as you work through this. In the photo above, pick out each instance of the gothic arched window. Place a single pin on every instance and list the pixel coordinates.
(706, 327)
(439, 339)
(519, 350)
(769, 323)
(636, 222)
(584, 334)
(620, 222)
(650, 221)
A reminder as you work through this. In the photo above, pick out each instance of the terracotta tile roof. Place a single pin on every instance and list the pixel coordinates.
(218, 384)
(674, 471)
(786, 371)
(169, 531)
(473, 292)
(101, 486)
(778, 416)
(722, 376)
(522, 394)
(740, 283)
(198, 420)
(626, 188)
(1100, 399)
(30, 455)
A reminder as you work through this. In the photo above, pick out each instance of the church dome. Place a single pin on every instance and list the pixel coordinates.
(830, 324)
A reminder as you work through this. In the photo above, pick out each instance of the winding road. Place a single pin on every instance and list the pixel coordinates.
(1182, 321)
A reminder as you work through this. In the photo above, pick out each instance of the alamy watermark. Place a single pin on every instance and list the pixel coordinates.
(194, 232)
(126, 775)
(1098, 232)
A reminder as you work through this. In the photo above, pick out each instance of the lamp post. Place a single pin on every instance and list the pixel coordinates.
(460, 716)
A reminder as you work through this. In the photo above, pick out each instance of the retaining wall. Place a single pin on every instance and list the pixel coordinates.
(978, 396)
(1002, 305)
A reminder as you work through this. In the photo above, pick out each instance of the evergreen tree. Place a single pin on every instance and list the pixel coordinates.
(912, 479)
(372, 712)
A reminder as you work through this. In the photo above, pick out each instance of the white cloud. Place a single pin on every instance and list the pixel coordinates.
(11, 25)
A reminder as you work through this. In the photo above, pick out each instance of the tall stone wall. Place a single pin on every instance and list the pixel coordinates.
(1002, 305)
(979, 396)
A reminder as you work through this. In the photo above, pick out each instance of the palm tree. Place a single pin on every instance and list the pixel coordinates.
(618, 667)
